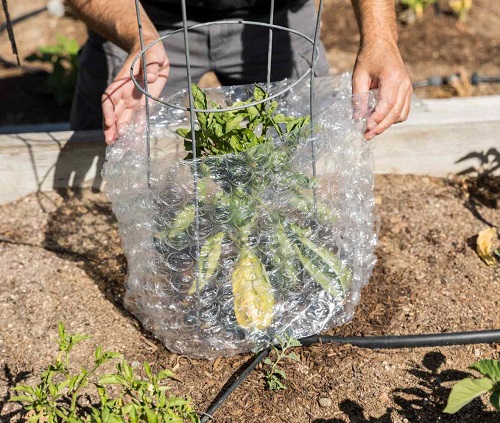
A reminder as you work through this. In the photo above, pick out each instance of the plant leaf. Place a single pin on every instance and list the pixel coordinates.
(465, 391)
(488, 368)
(208, 261)
(280, 372)
(182, 221)
(293, 356)
(495, 399)
(253, 297)
(111, 380)
(484, 245)
(332, 261)
(323, 280)
(200, 103)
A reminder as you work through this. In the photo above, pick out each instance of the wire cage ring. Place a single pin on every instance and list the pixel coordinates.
(227, 22)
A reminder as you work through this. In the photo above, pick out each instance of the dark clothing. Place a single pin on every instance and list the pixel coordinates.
(209, 10)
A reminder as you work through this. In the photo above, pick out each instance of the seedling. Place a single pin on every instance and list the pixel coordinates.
(275, 376)
(57, 397)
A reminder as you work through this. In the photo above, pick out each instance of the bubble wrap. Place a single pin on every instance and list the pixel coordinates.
(241, 237)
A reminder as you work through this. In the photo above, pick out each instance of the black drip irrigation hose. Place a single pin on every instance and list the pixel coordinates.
(371, 342)
(438, 81)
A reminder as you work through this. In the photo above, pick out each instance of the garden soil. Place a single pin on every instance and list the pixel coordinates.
(61, 260)
(437, 45)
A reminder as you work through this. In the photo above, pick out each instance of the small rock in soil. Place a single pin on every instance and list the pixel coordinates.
(325, 402)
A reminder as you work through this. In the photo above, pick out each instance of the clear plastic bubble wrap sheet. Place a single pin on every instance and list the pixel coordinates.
(229, 252)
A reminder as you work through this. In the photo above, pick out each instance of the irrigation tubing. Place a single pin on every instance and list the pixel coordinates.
(371, 342)
(438, 80)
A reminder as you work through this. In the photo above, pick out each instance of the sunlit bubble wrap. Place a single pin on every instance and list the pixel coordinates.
(229, 252)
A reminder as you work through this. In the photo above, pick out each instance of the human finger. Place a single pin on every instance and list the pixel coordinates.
(388, 97)
(392, 116)
(361, 84)
(406, 108)
(108, 118)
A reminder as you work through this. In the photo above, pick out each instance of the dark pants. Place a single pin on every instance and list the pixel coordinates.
(236, 53)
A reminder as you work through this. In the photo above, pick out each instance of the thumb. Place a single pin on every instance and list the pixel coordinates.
(361, 84)
(361, 81)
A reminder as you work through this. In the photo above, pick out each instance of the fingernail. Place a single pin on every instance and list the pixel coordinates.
(371, 125)
(368, 137)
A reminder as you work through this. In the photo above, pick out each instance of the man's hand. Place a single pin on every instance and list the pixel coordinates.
(379, 65)
(122, 97)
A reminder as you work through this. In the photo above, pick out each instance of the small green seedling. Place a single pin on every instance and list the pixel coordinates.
(275, 376)
(467, 389)
(134, 398)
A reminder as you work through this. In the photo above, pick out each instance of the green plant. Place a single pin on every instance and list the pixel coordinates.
(57, 397)
(63, 57)
(461, 9)
(467, 389)
(414, 9)
(240, 163)
(275, 376)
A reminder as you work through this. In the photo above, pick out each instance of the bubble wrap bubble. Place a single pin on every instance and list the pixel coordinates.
(190, 278)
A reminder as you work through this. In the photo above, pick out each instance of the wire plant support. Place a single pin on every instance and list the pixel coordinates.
(192, 110)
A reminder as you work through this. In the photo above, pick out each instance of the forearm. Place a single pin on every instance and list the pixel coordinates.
(115, 20)
(376, 20)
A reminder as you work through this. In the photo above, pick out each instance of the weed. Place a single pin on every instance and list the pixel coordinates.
(57, 397)
(275, 375)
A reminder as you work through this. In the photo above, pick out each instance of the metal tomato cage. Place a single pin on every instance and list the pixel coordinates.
(185, 29)
(371, 342)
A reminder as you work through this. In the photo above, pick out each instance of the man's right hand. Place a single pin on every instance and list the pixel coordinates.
(122, 98)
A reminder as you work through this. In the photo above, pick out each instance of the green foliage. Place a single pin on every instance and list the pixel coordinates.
(414, 9)
(467, 389)
(241, 162)
(236, 131)
(63, 57)
(275, 376)
(134, 399)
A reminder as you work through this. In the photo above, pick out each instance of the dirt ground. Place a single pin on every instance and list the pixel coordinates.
(61, 260)
(434, 46)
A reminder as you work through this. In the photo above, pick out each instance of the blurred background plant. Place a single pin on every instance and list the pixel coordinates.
(63, 57)
(414, 10)
(461, 9)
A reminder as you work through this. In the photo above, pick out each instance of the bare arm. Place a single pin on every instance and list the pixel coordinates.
(379, 64)
(116, 21)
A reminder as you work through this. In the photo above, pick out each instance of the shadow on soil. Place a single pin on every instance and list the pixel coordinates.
(84, 230)
(482, 187)
(423, 403)
(11, 381)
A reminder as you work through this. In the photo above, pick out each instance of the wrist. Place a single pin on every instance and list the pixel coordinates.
(379, 41)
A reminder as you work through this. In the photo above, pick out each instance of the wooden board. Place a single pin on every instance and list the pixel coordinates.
(459, 135)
